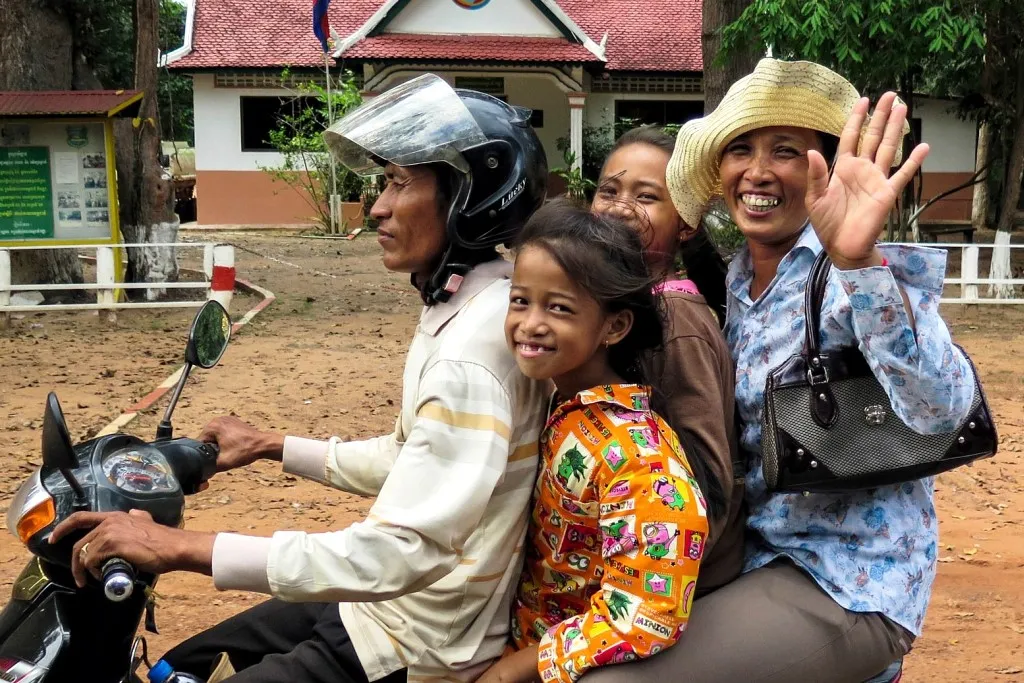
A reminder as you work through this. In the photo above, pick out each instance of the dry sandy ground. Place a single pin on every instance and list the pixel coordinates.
(326, 358)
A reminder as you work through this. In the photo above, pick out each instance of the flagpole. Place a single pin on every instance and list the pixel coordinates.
(330, 121)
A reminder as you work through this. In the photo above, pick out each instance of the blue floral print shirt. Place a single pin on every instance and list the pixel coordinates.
(872, 551)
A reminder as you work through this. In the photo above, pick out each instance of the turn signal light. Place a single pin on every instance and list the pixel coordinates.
(39, 517)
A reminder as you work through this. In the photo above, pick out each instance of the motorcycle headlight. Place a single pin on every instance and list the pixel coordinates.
(31, 510)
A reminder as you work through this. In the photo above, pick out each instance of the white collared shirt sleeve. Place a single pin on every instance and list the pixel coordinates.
(432, 500)
(355, 466)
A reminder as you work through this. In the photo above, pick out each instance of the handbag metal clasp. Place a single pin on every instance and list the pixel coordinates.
(874, 415)
(814, 380)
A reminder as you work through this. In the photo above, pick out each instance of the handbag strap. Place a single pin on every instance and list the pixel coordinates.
(814, 296)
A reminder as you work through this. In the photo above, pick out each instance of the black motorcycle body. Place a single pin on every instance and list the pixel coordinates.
(52, 631)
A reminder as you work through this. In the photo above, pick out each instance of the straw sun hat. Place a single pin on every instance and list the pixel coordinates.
(777, 93)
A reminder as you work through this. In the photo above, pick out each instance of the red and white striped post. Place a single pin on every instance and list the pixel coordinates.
(221, 270)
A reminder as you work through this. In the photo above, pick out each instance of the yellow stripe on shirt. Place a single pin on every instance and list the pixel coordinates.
(461, 420)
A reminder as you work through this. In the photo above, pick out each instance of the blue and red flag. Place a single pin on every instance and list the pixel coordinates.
(321, 26)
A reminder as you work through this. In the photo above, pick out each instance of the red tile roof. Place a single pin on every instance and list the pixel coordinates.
(239, 34)
(655, 35)
(469, 48)
(69, 103)
(651, 35)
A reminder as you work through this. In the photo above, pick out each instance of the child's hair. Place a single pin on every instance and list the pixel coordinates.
(605, 257)
(704, 265)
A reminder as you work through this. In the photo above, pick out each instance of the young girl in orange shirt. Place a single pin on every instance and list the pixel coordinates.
(618, 524)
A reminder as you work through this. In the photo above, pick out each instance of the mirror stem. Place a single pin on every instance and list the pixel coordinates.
(164, 430)
(80, 499)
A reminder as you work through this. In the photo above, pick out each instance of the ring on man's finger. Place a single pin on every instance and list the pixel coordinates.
(83, 552)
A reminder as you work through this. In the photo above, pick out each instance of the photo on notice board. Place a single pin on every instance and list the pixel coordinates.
(69, 200)
(95, 179)
(70, 216)
(94, 161)
(97, 216)
(96, 200)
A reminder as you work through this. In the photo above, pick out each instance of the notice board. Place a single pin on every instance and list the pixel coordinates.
(57, 182)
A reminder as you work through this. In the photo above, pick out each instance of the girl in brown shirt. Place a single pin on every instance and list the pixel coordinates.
(694, 369)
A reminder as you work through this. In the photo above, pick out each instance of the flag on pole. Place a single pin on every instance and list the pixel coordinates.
(321, 26)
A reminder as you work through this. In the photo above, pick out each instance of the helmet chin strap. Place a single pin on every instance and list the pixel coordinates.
(447, 276)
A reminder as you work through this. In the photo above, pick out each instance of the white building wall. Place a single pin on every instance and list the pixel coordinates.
(539, 92)
(498, 17)
(218, 125)
(952, 139)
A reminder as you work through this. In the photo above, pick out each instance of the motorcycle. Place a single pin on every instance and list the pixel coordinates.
(52, 631)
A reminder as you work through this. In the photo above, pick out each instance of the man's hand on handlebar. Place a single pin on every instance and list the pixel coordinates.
(240, 443)
(135, 538)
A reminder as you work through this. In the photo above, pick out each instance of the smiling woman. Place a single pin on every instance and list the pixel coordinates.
(835, 585)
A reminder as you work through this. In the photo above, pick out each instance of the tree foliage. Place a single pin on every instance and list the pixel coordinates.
(104, 38)
(175, 89)
(877, 44)
(306, 164)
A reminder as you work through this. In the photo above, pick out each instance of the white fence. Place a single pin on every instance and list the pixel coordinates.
(218, 267)
(969, 281)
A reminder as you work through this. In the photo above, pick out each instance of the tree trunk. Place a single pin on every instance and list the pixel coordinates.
(1015, 164)
(979, 202)
(146, 192)
(1001, 264)
(36, 54)
(718, 76)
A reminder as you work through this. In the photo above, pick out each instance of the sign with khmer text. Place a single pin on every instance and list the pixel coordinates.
(26, 193)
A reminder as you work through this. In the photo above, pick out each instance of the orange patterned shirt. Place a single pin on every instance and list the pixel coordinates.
(615, 540)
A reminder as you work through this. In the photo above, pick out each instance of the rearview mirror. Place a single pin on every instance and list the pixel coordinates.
(208, 338)
(207, 341)
(58, 452)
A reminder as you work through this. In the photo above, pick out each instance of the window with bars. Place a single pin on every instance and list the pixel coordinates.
(658, 112)
(624, 83)
(271, 79)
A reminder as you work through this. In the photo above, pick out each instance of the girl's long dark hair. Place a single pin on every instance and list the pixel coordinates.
(704, 265)
(605, 258)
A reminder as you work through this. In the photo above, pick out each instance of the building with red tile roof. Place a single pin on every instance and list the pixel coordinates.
(578, 64)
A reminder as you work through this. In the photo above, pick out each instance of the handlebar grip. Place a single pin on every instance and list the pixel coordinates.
(118, 579)
(193, 462)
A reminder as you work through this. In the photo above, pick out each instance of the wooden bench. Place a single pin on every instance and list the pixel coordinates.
(931, 229)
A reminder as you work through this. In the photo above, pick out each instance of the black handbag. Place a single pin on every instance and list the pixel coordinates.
(828, 425)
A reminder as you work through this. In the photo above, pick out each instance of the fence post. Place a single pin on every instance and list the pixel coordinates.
(969, 273)
(222, 281)
(105, 276)
(5, 286)
(208, 260)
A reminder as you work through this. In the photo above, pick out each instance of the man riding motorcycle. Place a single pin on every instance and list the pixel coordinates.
(424, 583)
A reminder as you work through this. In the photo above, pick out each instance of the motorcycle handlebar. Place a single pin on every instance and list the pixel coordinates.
(193, 462)
(118, 579)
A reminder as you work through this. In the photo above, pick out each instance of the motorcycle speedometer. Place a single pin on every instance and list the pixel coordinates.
(139, 470)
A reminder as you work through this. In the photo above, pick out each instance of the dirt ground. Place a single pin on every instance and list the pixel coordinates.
(326, 358)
